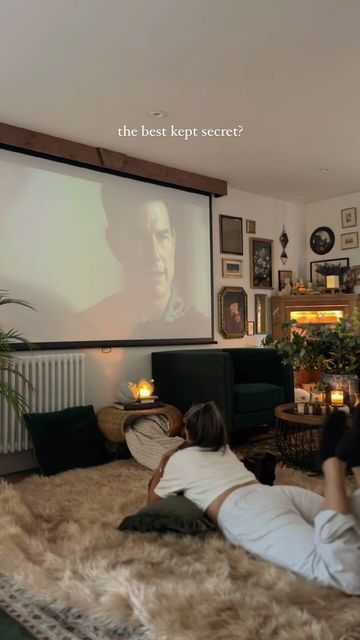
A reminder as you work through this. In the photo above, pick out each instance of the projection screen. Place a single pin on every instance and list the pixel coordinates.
(104, 260)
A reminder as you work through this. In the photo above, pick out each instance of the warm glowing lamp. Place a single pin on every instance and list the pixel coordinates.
(145, 388)
(337, 398)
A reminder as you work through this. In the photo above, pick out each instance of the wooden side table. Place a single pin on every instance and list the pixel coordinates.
(112, 421)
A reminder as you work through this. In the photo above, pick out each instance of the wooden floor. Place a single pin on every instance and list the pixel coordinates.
(19, 475)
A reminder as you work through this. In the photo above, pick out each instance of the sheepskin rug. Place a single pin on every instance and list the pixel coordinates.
(59, 541)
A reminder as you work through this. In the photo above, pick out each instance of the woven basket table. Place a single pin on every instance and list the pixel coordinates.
(112, 421)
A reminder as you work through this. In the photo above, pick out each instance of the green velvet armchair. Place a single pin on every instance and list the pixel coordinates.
(246, 384)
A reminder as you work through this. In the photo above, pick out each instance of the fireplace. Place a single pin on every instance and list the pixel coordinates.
(311, 309)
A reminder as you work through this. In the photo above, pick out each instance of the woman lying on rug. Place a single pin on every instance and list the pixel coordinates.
(316, 537)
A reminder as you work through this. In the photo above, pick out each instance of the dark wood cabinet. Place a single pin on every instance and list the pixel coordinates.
(311, 309)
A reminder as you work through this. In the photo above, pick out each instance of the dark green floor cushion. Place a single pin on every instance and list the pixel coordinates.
(174, 514)
(256, 396)
(66, 439)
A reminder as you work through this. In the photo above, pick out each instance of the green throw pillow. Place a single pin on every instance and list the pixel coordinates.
(174, 514)
(66, 439)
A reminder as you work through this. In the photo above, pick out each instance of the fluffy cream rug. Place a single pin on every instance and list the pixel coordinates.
(59, 541)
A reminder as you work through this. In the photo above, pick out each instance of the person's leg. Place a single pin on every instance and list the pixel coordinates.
(319, 539)
(348, 450)
(335, 496)
(267, 521)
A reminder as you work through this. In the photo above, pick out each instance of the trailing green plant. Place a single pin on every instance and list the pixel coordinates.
(7, 339)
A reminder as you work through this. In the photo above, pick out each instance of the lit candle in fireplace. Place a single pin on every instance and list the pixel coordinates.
(337, 398)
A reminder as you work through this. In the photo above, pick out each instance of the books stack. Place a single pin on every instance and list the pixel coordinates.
(152, 402)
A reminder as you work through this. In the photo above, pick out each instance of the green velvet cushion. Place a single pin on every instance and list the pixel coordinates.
(174, 514)
(256, 396)
(66, 439)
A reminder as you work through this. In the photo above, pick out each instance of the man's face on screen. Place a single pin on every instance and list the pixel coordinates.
(154, 249)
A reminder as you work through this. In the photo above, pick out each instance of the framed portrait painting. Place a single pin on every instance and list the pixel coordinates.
(232, 311)
(284, 277)
(231, 235)
(261, 263)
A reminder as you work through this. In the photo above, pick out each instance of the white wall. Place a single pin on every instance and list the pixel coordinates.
(327, 213)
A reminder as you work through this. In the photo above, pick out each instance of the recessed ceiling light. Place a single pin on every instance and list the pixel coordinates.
(325, 169)
(157, 113)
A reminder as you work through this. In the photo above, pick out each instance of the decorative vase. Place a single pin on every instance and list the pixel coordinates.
(306, 376)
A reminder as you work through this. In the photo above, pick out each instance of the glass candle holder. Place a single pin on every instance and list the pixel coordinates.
(337, 398)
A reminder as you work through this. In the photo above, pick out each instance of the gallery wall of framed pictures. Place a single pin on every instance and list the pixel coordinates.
(340, 234)
(252, 259)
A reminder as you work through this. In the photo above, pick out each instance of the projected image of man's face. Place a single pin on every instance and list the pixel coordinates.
(155, 248)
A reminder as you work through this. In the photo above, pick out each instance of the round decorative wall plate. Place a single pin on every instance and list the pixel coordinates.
(322, 240)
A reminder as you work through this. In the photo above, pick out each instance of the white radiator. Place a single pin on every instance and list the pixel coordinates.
(57, 381)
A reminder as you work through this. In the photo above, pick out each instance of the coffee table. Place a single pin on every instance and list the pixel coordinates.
(297, 437)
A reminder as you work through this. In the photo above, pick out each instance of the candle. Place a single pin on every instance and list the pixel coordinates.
(337, 398)
(301, 407)
(332, 282)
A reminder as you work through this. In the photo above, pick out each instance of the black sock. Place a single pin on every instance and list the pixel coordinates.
(332, 432)
(348, 449)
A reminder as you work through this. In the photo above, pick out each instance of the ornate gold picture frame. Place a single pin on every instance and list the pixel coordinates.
(232, 312)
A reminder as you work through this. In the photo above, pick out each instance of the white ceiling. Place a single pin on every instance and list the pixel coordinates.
(288, 71)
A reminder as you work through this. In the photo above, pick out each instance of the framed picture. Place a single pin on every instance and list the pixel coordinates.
(348, 217)
(250, 226)
(261, 313)
(283, 276)
(250, 328)
(322, 240)
(261, 263)
(232, 311)
(318, 279)
(356, 271)
(231, 235)
(350, 240)
(232, 268)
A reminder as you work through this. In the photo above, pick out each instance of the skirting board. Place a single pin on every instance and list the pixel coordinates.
(12, 462)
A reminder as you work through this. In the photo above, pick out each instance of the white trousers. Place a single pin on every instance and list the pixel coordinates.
(288, 526)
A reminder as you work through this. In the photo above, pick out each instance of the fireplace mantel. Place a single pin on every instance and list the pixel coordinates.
(309, 309)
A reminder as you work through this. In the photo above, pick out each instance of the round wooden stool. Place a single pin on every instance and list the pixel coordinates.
(112, 421)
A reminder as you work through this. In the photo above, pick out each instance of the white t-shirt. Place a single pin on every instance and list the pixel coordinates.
(202, 475)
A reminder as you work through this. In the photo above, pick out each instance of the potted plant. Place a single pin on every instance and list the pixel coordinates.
(329, 352)
(298, 349)
(7, 339)
(339, 359)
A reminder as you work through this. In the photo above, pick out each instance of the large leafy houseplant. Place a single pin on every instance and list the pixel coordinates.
(330, 349)
(340, 346)
(7, 359)
(296, 347)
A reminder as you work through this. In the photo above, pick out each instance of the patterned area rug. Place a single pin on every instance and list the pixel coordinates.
(45, 624)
